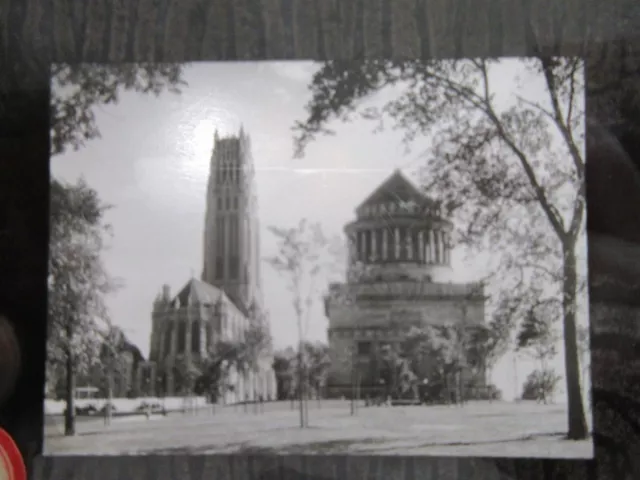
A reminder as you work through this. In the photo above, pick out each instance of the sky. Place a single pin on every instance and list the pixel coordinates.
(152, 161)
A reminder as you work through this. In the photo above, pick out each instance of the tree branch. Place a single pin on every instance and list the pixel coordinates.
(547, 68)
(551, 213)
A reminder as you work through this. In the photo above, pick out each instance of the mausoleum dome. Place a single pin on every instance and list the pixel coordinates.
(399, 234)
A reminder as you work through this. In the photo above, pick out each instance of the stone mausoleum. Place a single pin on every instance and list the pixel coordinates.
(399, 273)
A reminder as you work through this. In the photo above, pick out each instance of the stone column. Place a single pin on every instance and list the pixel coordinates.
(445, 247)
(374, 247)
(396, 243)
(436, 246)
(385, 243)
(427, 255)
(421, 246)
(352, 249)
(432, 247)
(409, 243)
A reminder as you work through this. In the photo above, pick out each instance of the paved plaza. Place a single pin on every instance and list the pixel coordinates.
(476, 429)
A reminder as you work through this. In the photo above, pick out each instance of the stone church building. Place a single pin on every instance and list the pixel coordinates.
(399, 273)
(221, 304)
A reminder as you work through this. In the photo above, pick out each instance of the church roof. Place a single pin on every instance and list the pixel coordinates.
(200, 292)
(205, 293)
(396, 188)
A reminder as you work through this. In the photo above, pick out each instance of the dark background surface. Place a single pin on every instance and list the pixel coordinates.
(34, 33)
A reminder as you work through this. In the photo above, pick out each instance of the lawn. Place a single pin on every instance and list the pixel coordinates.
(477, 429)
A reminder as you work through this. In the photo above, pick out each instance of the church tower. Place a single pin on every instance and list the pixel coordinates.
(231, 236)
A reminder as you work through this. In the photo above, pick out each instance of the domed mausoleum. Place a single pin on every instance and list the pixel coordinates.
(399, 274)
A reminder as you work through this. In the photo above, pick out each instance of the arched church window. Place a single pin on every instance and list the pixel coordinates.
(195, 337)
(234, 267)
(182, 337)
(208, 341)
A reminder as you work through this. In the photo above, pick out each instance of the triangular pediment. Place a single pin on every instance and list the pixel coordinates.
(395, 189)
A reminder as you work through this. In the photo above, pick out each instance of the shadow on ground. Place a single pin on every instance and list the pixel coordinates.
(341, 447)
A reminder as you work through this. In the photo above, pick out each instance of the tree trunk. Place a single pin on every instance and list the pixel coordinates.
(300, 385)
(107, 406)
(576, 415)
(70, 412)
(306, 401)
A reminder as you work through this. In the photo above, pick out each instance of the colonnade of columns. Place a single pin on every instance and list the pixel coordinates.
(401, 244)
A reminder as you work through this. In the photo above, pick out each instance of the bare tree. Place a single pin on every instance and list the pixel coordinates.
(303, 254)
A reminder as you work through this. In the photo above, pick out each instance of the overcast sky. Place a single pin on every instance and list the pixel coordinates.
(152, 165)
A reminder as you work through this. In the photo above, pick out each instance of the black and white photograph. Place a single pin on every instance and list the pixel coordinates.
(365, 258)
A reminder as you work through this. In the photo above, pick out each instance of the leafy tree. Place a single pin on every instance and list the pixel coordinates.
(537, 335)
(491, 342)
(317, 363)
(213, 378)
(256, 345)
(77, 283)
(303, 254)
(186, 371)
(513, 173)
(541, 385)
(112, 361)
(79, 89)
(445, 351)
(284, 366)
(238, 356)
(395, 371)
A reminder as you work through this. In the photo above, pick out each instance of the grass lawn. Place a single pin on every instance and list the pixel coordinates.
(476, 429)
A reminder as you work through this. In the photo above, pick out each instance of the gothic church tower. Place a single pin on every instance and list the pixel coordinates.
(231, 236)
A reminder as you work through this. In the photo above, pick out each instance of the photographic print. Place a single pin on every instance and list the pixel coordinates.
(371, 258)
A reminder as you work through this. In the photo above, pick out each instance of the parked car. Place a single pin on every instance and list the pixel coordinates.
(84, 410)
(151, 407)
